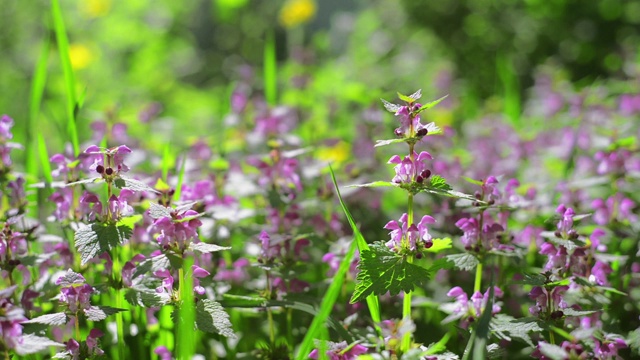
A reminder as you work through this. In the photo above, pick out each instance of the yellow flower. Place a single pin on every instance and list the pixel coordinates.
(80, 56)
(337, 153)
(296, 12)
(95, 8)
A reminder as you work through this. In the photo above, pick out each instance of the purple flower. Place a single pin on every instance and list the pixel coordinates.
(179, 230)
(237, 273)
(338, 351)
(541, 297)
(629, 104)
(410, 124)
(6, 123)
(108, 163)
(163, 353)
(11, 317)
(469, 309)
(408, 171)
(608, 347)
(92, 342)
(416, 236)
(77, 297)
(280, 173)
(198, 273)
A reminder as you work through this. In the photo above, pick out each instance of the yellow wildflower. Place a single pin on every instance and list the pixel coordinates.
(296, 12)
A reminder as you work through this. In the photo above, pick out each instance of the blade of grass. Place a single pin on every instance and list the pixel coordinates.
(167, 161)
(510, 87)
(270, 76)
(328, 300)
(69, 78)
(176, 194)
(185, 337)
(372, 300)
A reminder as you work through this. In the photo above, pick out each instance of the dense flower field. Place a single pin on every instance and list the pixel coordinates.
(381, 231)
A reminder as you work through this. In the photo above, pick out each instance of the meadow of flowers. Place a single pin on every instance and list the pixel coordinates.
(381, 230)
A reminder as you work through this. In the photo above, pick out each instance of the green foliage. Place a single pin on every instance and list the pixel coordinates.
(31, 344)
(93, 239)
(464, 261)
(211, 318)
(508, 328)
(381, 270)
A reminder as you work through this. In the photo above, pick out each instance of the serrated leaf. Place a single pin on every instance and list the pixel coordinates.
(152, 265)
(56, 319)
(409, 99)
(431, 104)
(98, 313)
(532, 279)
(146, 298)
(441, 264)
(375, 184)
(553, 352)
(472, 181)
(439, 183)
(205, 248)
(634, 340)
(574, 312)
(440, 245)
(381, 270)
(416, 95)
(157, 211)
(133, 185)
(70, 278)
(507, 327)
(130, 221)
(450, 193)
(211, 318)
(94, 239)
(31, 344)
(390, 107)
(388, 142)
(86, 181)
(464, 261)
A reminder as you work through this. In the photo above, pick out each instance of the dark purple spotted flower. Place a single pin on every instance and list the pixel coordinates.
(414, 237)
(408, 171)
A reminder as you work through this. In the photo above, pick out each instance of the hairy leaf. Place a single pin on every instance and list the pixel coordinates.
(70, 278)
(381, 270)
(85, 181)
(205, 248)
(94, 239)
(211, 318)
(133, 185)
(98, 313)
(146, 298)
(431, 104)
(532, 279)
(507, 327)
(439, 183)
(375, 184)
(56, 319)
(157, 211)
(553, 352)
(464, 261)
(390, 107)
(31, 344)
(440, 245)
(388, 142)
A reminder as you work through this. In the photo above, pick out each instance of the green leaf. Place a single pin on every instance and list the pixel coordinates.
(94, 239)
(390, 107)
(375, 184)
(99, 313)
(205, 248)
(573, 312)
(56, 319)
(147, 298)
(372, 301)
(440, 245)
(553, 352)
(130, 221)
(69, 78)
(86, 181)
(211, 318)
(532, 279)
(31, 344)
(472, 181)
(408, 99)
(464, 261)
(157, 211)
(507, 327)
(389, 142)
(431, 104)
(133, 185)
(70, 278)
(439, 183)
(381, 270)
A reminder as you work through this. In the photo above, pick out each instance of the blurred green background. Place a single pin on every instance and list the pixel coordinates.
(186, 57)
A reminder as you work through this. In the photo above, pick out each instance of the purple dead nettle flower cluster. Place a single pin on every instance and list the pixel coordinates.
(466, 309)
(11, 317)
(6, 146)
(416, 236)
(340, 351)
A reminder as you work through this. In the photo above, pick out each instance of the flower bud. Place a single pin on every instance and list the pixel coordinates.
(108, 171)
(100, 169)
(422, 132)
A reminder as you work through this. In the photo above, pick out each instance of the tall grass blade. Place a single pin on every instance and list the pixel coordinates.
(372, 300)
(510, 87)
(186, 337)
(270, 69)
(69, 78)
(176, 194)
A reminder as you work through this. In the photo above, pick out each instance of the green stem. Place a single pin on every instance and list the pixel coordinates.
(406, 316)
(117, 280)
(272, 331)
(77, 326)
(185, 336)
(478, 282)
